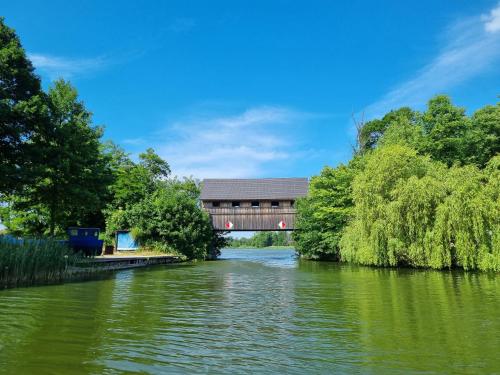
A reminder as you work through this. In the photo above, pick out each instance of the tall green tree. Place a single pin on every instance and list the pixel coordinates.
(71, 178)
(373, 130)
(446, 128)
(443, 131)
(134, 181)
(323, 215)
(21, 110)
(484, 135)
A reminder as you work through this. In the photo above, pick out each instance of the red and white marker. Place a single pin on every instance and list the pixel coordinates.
(229, 225)
(282, 224)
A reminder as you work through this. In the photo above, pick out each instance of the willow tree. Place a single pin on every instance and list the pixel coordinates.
(412, 211)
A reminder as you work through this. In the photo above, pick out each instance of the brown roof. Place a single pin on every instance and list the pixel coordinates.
(253, 188)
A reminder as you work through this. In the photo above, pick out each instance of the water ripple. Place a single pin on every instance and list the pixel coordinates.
(255, 311)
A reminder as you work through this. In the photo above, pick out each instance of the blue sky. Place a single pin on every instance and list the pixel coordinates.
(258, 88)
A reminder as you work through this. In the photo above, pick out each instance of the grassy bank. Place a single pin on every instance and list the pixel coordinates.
(40, 262)
(34, 262)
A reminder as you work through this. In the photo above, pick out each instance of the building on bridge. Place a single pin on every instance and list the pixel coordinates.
(252, 204)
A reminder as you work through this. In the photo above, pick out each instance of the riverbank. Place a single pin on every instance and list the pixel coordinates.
(88, 269)
(43, 262)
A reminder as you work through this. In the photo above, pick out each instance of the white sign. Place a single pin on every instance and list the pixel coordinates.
(282, 224)
(229, 225)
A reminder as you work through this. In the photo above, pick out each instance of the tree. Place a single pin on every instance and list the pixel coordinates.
(445, 128)
(154, 164)
(134, 181)
(170, 219)
(484, 135)
(372, 131)
(323, 215)
(21, 109)
(71, 178)
(421, 191)
(412, 211)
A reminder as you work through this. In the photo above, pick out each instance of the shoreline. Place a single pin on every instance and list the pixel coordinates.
(98, 267)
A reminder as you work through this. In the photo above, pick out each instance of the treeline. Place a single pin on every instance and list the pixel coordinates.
(262, 239)
(57, 172)
(422, 190)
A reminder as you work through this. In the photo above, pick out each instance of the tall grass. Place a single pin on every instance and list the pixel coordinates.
(34, 262)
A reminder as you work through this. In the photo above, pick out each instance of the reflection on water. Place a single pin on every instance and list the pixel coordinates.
(283, 258)
(255, 311)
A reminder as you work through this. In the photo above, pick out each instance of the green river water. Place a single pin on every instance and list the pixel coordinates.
(255, 311)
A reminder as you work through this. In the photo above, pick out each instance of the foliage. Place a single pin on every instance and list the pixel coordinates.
(446, 129)
(419, 213)
(324, 213)
(262, 239)
(134, 181)
(21, 108)
(162, 213)
(33, 261)
(372, 131)
(443, 131)
(170, 219)
(71, 177)
(484, 135)
(422, 191)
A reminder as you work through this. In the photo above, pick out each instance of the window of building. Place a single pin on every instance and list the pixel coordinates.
(235, 204)
(255, 204)
(215, 204)
(292, 203)
(275, 204)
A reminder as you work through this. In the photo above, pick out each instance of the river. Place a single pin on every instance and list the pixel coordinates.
(255, 311)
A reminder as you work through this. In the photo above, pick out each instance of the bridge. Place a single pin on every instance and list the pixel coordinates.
(252, 204)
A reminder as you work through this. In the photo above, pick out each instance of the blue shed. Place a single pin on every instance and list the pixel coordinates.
(85, 240)
(125, 241)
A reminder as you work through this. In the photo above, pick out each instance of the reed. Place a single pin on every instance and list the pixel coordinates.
(31, 262)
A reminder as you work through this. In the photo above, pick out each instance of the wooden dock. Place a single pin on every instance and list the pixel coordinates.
(132, 261)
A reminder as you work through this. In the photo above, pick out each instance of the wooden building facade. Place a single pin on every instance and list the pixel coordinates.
(252, 204)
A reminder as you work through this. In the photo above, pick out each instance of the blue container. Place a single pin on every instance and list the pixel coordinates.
(125, 241)
(85, 240)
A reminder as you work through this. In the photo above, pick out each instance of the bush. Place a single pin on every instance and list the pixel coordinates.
(169, 220)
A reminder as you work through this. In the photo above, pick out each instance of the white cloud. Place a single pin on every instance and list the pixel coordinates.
(471, 47)
(238, 146)
(492, 20)
(62, 67)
